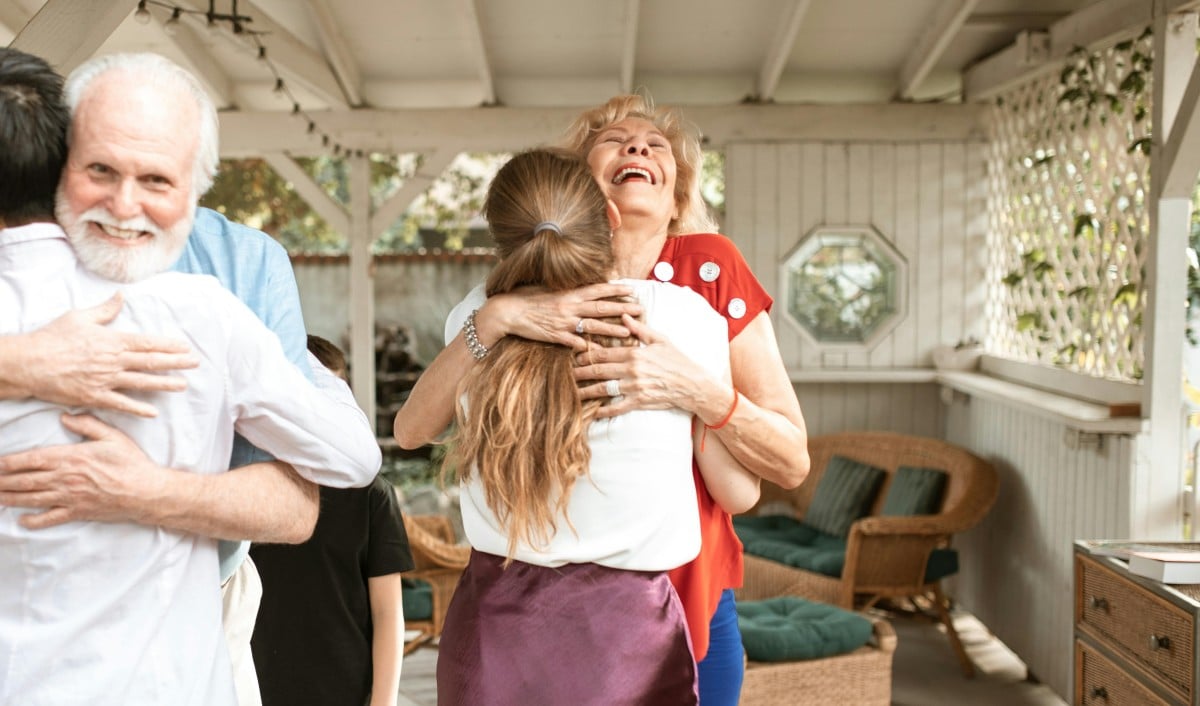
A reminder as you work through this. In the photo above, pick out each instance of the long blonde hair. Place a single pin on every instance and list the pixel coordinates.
(521, 424)
(685, 146)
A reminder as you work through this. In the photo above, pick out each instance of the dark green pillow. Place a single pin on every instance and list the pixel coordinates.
(915, 491)
(416, 596)
(786, 628)
(844, 494)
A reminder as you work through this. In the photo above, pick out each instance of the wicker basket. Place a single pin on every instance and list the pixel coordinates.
(862, 677)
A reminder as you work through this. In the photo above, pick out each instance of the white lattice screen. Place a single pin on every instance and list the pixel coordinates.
(1068, 185)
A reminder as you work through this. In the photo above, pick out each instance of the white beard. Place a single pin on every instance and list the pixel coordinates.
(123, 264)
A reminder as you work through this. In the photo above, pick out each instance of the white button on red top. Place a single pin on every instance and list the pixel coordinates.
(664, 271)
(710, 271)
(737, 308)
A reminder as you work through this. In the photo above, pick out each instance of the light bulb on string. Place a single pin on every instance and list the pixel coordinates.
(142, 15)
(171, 26)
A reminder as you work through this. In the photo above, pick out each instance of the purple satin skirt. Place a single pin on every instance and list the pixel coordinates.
(574, 635)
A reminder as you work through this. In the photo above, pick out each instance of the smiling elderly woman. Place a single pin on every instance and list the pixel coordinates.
(646, 160)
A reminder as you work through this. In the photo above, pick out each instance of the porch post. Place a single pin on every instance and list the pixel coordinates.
(1156, 500)
(362, 289)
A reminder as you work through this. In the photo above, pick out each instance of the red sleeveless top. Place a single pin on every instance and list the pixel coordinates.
(713, 267)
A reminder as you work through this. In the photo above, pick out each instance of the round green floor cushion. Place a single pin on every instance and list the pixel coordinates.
(786, 628)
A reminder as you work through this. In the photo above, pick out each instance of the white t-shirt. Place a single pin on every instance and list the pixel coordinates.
(637, 508)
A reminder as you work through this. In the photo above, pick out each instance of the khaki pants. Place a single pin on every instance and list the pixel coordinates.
(240, 596)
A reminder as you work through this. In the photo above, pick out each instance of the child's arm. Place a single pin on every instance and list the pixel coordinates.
(387, 645)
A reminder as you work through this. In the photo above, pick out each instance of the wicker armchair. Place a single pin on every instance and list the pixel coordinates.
(885, 556)
(439, 562)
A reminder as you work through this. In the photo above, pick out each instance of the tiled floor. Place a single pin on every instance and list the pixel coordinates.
(925, 671)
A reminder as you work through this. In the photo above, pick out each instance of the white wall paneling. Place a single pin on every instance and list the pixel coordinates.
(927, 199)
(1016, 570)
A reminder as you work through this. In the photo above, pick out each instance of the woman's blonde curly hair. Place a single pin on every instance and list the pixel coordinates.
(685, 146)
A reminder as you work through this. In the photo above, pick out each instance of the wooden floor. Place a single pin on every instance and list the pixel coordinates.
(925, 671)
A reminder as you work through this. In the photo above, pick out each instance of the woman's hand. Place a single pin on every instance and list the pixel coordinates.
(655, 375)
(556, 317)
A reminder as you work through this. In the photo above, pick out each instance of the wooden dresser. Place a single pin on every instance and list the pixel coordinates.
(1135, 638)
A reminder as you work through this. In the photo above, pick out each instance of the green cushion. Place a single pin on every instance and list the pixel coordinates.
(417, 598)
(942, 563)
(843, 495)
(914, 491)
(786, 628)
(788, 541)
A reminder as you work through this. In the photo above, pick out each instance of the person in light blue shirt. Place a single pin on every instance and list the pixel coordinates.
(256, 268)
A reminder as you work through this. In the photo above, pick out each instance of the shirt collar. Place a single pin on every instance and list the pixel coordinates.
(31, 232)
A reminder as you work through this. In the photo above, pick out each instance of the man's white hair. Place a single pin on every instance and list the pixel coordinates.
(155, 69)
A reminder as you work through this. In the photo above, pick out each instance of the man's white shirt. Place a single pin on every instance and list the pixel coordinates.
(116, 613)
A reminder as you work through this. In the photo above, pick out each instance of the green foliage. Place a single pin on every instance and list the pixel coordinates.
(712, 182)
(249, 191)
(1091, 89)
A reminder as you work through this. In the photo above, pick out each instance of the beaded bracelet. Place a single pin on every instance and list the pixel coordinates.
(471, 336)
(723, 422)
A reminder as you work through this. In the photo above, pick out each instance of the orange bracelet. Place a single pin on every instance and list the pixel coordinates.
(723, 422)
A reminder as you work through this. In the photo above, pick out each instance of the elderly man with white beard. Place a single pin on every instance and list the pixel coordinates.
(116, 612)
(77, 361)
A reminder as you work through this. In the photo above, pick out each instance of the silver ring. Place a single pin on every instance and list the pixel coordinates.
(612, 388)
(579, 327)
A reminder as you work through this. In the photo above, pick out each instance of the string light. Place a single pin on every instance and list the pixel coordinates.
(239, 24)
(171, 26)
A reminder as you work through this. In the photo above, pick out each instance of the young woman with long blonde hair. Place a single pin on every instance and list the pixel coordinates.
(574, 520)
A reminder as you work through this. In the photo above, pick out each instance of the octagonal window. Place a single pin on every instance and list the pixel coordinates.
(844, 285)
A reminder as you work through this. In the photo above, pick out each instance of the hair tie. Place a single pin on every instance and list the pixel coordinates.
(547, 225)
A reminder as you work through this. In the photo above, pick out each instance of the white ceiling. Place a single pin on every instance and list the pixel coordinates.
(434, 53)
(364, 58)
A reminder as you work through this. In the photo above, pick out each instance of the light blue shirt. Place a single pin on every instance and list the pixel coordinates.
(256, 268)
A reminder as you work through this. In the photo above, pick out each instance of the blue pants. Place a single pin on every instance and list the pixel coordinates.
(722, 669)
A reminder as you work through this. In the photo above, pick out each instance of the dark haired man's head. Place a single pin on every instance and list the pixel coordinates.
(33, 137)
(330, 355)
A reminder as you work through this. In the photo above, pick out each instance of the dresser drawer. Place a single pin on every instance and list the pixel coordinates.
(1145, 628)
(1099, 681)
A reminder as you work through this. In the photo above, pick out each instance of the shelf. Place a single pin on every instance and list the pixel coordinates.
(864, 375)
(1083, 416)
(1086, 417)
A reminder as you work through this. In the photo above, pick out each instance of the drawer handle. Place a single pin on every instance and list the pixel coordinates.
(1160, 642)
(1099, 692)
(1097, 603)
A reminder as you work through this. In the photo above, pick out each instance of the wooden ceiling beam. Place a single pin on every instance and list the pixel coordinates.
(433, 163)
(1180, 151)
(779, 51)
(503, 129)
(198, 59)
(296, 61)
(337, 49)
(629, 44)
(334, 213)
(67, 32)
(943, 27)
(1036, 53)
(469, 13)
(13, 17)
